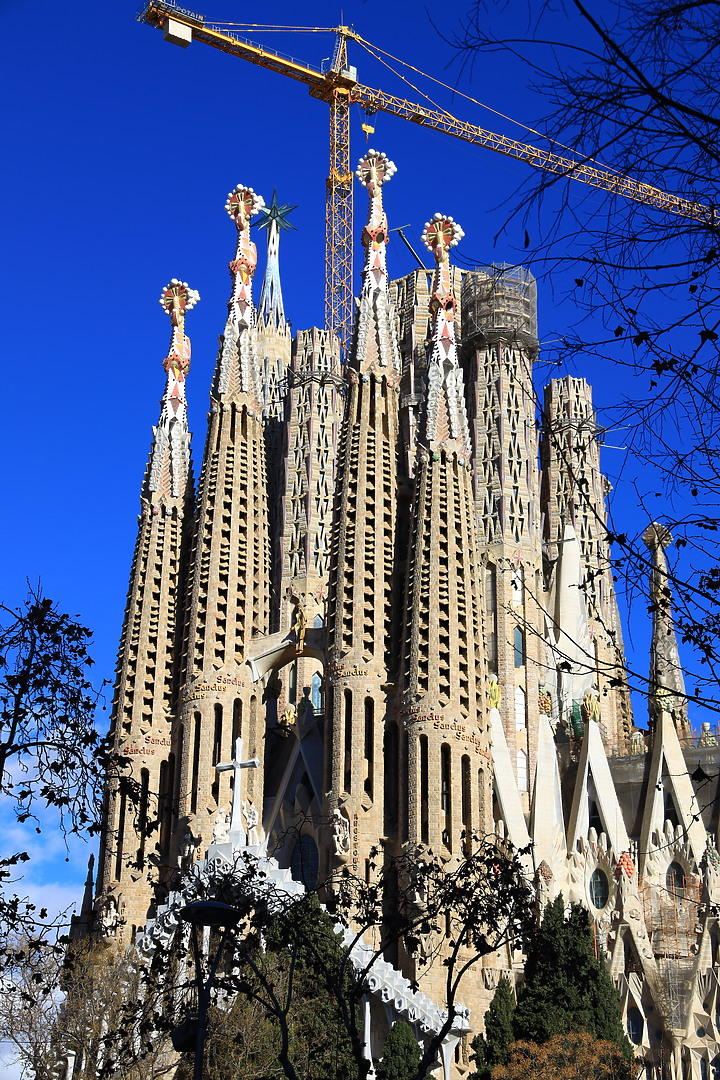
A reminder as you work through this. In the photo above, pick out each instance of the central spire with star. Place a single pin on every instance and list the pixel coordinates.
(274, 218)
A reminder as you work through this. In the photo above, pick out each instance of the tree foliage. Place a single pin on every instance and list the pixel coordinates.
(491, 1048)
(48, 737)
(575, 1056)
(51, 752)
(292, 983)
(401, 1054)
(566, 989)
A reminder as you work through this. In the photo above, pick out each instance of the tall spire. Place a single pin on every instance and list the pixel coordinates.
(237, 372)
(363, 601)
(270, 308)
(443, 670)
(446, 425)
(169, 464)
(667, 686)
(376, 345)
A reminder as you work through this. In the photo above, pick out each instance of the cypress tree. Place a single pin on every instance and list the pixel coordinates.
(401, 1054)
(491, 1048)
(566, 988)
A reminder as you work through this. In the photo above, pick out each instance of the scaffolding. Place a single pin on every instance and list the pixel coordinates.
(671, 918)
(499, 297)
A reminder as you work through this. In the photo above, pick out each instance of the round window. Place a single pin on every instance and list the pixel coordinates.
(599, 889)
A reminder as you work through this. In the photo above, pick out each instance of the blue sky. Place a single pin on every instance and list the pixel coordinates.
(120, 149)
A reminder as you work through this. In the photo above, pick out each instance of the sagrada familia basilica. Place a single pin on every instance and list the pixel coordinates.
(382, 615)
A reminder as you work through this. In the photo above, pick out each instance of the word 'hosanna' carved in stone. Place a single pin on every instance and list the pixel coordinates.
(375, 619)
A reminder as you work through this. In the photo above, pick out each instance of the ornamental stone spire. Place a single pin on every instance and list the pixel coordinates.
(667, 686)
(270, 309)
(446, 425)
(376, 345)
(237, 376)
(136, 837)
(443, 669)
(229, 586)
(363, 606)
(169, 464)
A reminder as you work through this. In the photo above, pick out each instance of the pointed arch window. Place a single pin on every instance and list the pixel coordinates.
(675, 879)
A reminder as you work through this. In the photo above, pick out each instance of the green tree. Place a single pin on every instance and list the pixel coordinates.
(401, 1054)
(51, 753)
(491, 1048)
(566, 988)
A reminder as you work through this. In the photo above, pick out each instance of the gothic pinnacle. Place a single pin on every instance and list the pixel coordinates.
(273, 218)
(376, 347)
(169, 464)
(238, 372)
(667, 686)
(446, 425)
(242, 204)
(176, 299)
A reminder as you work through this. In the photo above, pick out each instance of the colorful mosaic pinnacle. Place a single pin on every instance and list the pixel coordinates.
(375, 169)
(242, 204)
(176, 299)
(376, 348)
(446, 418)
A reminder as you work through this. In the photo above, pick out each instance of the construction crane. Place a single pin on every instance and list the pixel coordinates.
(339, 88)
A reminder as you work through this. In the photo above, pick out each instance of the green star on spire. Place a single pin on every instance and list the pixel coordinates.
(275, 212)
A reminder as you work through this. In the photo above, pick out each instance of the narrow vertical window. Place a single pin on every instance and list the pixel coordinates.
(348, 740)
(391, 778)
(424, 811)
(518, 647)
(406, 793)
(467, 820)
(446, 794)
(217, 750)
(121, 831)
(143, 816)
(236, 722)
(167, 788)
(369, 746)
(195, 766)
(316, 692)
(181, 747)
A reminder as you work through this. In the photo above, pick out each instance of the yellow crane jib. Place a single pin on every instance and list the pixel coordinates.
(339, 88)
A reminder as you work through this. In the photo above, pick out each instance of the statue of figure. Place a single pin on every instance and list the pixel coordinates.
(187, 850)
(710, 865)
(287, 719)
(109, 918)
(251, 821)
(494, 694)
(340, 832)
(221, 829)
(707, 736)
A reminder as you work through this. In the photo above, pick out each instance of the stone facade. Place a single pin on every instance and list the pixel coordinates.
(389, 623)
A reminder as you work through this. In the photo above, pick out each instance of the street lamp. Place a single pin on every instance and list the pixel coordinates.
(213, 915)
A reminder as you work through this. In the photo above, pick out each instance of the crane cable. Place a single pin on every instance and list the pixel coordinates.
(373, 50)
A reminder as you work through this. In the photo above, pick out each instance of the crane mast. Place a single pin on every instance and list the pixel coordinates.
(339, 88)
